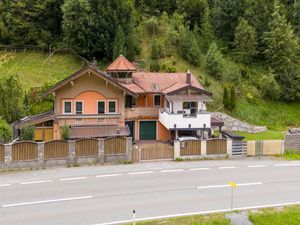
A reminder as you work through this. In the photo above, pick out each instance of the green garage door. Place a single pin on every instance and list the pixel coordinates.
(148, 130)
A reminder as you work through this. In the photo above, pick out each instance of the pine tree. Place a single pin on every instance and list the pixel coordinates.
(281, 53)
(119, 43)
(155, 49)
(214, 61)
(244, 42)
(232, 102)
(207, 33)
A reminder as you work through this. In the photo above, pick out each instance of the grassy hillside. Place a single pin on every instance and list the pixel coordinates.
(34, 69)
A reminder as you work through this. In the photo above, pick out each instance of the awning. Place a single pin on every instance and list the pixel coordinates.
(98, 131)
(187, 97)
(216, 123)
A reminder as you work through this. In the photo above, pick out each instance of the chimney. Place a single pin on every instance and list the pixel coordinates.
(188, 77)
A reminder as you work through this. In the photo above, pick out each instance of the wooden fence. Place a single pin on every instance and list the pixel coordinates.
(2, 153)
(157, 151)
(191, 147)
(113, 146)
(216, 146)
(22, 151)
(56, 149)
(135, 155)
(86, 147)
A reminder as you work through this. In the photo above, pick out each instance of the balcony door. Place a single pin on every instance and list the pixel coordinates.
(190, 107)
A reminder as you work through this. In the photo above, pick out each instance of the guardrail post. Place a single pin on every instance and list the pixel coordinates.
(203, 148)
(41, 148)
(101, 150)
(129, 148)
(8, 154)
(176, 149)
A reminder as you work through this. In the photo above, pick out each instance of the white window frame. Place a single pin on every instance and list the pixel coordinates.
(75, 111)
(115, 101)
(98, 107)
(159, 100)
(64, 111)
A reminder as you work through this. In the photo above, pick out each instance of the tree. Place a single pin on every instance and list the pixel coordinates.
(214, 61)
(244, 42)
(207, 33)
(119, 43)
(193, 11)
(232, 101)
(5, 131)
(27, 134)
(225, 97)
(155, 49)
(188, 47)
(225, 14)
(296, 17)
(281, 53)
(269, 87)
(11, 98)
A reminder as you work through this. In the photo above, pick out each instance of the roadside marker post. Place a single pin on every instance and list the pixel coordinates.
(133, 216)
(233, 185)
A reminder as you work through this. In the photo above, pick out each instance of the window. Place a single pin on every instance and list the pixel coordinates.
(192, 106)
(157, 100)
(112, 106)
(101, 107)
(128, 101)
(67, 107)
(79, 107)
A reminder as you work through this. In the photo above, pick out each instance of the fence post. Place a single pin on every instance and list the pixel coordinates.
(203, 148)
(72, 151)
(7, 154)
(176, 149)
(229, 147)
(282, 147)
(129, 148)
(41, 147)
(101, 150)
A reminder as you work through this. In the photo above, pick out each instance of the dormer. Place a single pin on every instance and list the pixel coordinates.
(121, 69)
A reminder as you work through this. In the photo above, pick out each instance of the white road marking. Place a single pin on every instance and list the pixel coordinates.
(4, 185)
(47, 201)
(109, 175)
(72, 178)
(171, 171)
(291, 164)
(257, 166)
(227, 185)
(227, 167)
(37, 182)
(199, 213)
(142, 172)
(196, 169)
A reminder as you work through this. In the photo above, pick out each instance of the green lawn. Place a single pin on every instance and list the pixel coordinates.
(291, 155)
(216, 219)
(267, 135)
(285, 216)
(34, 69)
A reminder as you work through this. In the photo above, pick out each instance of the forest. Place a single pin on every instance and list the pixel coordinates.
(245, 51)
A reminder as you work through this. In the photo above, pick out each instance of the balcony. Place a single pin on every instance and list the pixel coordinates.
(90, 119)
(141, 112)
(185, 121)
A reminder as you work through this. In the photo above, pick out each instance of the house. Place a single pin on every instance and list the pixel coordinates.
(125, 102)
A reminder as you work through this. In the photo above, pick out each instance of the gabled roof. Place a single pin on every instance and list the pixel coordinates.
(83, 71)
(121, 64)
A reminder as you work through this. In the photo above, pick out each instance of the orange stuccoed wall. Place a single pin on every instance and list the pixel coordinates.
(89, 99)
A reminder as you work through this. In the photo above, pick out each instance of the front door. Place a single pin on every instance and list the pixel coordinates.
(147, 130)
(130, 125)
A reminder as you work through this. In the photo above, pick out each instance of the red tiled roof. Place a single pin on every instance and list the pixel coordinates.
(162, 82)
(133, 87)
(121, 64)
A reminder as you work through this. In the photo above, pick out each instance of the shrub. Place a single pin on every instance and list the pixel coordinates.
(168, 67)
(155, 49)
(152, 25)
(27, 134)
(154, 66)
(5, 131)
(269, 87)
(231, 72)
(214, 61)
(65, 132)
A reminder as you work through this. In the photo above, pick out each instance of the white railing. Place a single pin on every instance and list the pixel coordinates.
(182, 121)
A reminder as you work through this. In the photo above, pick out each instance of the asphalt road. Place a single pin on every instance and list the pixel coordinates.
(108, 194)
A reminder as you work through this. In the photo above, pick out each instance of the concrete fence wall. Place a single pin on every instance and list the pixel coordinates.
(292, 141)
(265, 147)
(16, 155)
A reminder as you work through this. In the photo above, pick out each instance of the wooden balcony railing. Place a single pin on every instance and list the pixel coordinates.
(141, 112)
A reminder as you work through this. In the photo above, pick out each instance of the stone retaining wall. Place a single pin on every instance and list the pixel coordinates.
(232, 124)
